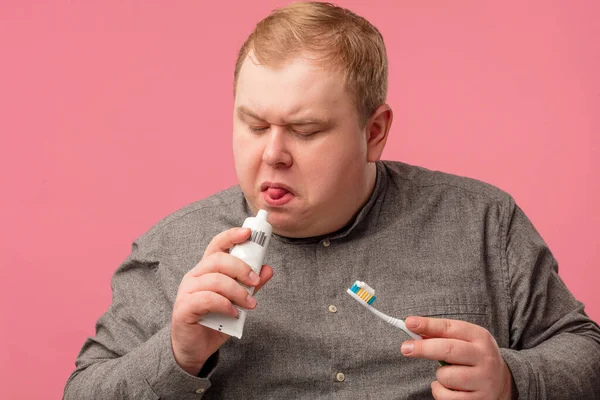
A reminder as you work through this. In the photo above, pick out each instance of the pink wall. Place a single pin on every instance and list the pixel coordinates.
(114, 114)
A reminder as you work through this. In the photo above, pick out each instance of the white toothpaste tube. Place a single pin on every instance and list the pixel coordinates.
(253, 253)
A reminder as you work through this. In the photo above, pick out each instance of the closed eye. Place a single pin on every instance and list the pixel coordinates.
(305, 135)
(257, 129)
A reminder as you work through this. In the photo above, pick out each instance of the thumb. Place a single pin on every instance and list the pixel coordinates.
(266, 273)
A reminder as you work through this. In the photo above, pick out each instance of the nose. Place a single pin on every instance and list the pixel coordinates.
(276, 153)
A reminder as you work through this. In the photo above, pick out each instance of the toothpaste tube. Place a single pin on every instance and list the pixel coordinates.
(253, 253)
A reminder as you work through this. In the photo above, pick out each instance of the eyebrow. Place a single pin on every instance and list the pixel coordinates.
(242, 111)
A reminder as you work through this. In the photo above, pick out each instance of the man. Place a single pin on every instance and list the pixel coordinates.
(310, 125)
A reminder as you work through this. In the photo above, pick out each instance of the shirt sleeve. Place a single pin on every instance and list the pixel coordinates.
(131, 357)
(554, 346)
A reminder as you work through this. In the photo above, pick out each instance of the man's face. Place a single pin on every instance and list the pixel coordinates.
(300, 152)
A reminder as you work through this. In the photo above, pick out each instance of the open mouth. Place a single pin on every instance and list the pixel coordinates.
(276, 194)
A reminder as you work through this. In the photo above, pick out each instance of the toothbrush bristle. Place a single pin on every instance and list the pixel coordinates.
(364, 292)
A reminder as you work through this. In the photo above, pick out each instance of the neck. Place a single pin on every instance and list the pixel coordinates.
(371, 178)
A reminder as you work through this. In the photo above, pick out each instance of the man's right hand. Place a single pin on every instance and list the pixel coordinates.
(211, 287)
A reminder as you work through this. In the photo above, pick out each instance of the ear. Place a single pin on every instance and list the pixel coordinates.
(377, 130)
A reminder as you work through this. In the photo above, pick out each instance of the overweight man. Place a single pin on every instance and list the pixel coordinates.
(454, 257)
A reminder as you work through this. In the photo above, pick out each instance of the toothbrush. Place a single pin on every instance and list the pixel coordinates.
(365, 295)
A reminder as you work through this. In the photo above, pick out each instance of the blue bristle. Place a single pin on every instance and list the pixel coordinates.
(355, 288)
(371, 300)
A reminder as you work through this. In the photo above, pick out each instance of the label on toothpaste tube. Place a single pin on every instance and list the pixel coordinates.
(258, 237)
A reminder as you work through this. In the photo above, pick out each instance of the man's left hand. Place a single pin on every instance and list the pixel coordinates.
(477, 369)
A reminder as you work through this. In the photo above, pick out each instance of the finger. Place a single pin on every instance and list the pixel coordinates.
(226, 264)
(458, 377)
(193, 306)
(226, 240)
(223, 285)
(445, 328)
(440, 392)
(266, 273)
(452, 351)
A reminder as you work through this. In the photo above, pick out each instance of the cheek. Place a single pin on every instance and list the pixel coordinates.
(329, 170)
(247, 155)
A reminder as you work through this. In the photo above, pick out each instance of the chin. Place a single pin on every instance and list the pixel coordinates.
(286, 220)
(282, 222)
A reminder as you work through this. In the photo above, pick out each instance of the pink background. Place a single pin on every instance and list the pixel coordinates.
(114, 114)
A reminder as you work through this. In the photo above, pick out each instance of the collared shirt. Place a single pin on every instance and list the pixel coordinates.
(429, 243)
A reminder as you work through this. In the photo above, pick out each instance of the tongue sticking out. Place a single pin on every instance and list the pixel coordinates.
(276, 193)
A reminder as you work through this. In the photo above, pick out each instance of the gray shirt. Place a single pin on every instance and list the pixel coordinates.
(429, 243)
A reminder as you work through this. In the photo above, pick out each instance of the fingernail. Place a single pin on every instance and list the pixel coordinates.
(407, 348)
(412, 323)
(251, 301)
(253, 277)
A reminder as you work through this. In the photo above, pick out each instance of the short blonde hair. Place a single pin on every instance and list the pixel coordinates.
(340, 39)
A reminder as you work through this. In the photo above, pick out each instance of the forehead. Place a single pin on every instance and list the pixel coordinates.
(298, 86)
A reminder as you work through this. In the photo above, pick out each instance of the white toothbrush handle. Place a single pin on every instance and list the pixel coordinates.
(398, 323)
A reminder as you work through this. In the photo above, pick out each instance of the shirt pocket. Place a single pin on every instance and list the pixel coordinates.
(467, 307)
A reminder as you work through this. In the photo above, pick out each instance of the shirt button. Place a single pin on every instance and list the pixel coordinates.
(332, 308)
(340, 377)
(326, 242)
(200, 390)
